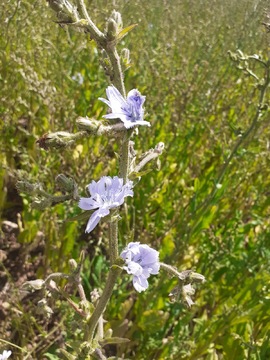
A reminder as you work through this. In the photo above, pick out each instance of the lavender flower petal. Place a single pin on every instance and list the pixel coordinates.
(88, 204)
(140, 283)
(106, 194)
(141, 262)
(95, 218)
(130, 110)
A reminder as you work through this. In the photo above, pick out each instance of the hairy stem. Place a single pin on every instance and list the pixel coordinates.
(113, 236)
(118, 78)
(171, 270)
(115, 271)
(152, 154)
(124, 156)
(118, 82)
(96, 34)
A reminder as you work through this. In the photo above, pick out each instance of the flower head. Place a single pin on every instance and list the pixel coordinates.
(106, 194)
(141, 262)
(6, 354)
(129, 111)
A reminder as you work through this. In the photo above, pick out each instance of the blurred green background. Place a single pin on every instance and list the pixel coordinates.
(198, 103)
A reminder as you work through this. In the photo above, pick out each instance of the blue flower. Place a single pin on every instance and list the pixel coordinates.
(130, 110)
(141, 262)
(106, 194)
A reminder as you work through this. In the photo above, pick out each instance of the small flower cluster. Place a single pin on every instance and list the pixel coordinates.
(108, 193)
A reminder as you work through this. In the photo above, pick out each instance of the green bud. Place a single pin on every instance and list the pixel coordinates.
(117, 17)
(82, 256)
(114, 25)
(111, 29)
(264, 107)
(65, 11)
(197, 277)
(25, 187)
(125, 55)
(64, 183)
(33, 284)
(72, 264)
(88, 124)
(56, 5)
(56, 140)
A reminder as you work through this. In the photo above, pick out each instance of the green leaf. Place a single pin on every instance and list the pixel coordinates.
(125, 31)
(114, 340)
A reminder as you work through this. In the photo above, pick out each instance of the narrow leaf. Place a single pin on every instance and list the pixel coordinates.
(113, 340)
(125, 31)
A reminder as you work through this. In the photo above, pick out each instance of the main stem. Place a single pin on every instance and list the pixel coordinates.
(118, 82)
(113, 237)
(115, 271)
(124, 157)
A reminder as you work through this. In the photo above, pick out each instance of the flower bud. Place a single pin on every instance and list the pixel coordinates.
(114, 25)
(56, 140)
(111, 29)
(52, 286)
(64, 183)
(25, 187)
(197, 276)
(72, 264)
(33, 285)
(117, 17)
(88, 124)
(65, 11)
(125, 55)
